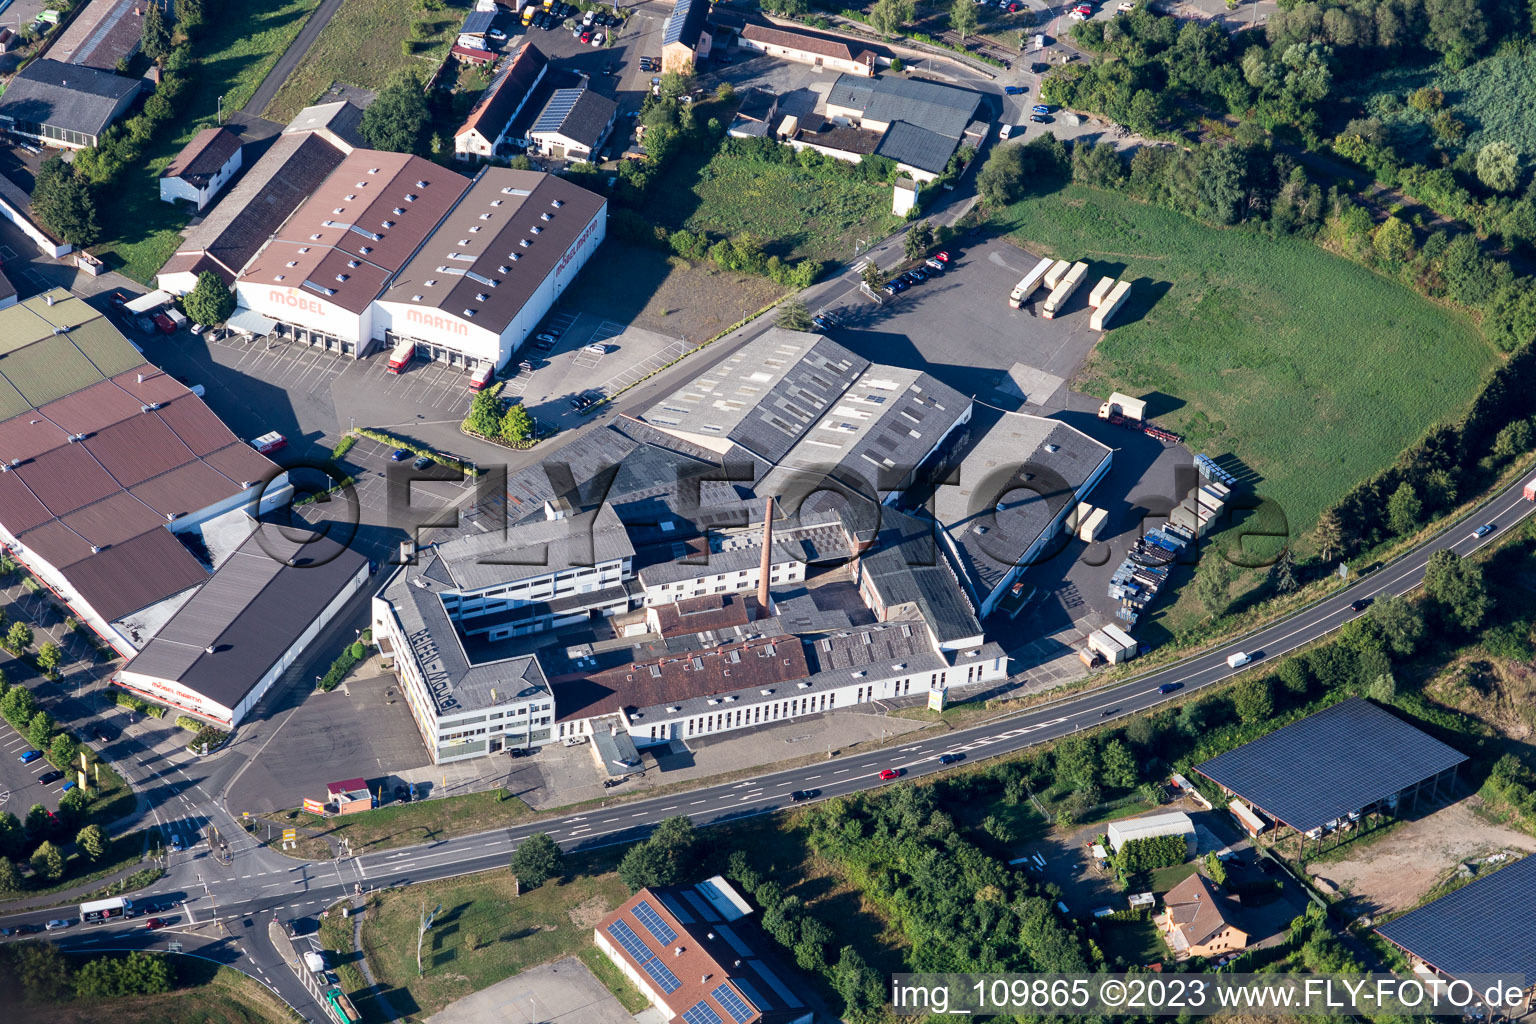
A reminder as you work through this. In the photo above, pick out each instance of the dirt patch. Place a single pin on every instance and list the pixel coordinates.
(630, 284)
(1395, 872)
(1497, 692)
(588, 912)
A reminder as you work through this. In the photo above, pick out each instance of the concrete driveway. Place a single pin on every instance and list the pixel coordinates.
(563, 992)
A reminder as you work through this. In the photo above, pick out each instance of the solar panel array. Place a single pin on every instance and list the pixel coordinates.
(701, 1013)
(642, 955)
(1488, 927)
(1333, 763)
(555, 111)
(646, 915)
(733, 1003)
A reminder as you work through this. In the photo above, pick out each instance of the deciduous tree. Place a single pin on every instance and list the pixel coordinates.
(209, 302)
(962, 18)
(536, 860)
(155, 37)
(48, 862)
(1457, 587)
(398, 119)
(64, 204)
(1498, 166)
(92, 841)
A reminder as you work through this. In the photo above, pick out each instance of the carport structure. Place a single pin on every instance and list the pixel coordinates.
(1486, 928)
(1330, 772)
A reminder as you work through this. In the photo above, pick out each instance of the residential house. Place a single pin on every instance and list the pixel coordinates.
(502, 101)
(819, 51)
(1200, 920)
(202, 168)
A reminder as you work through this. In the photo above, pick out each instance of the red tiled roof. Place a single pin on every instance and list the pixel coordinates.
(473, 55)
(500, 98)
(698, 614)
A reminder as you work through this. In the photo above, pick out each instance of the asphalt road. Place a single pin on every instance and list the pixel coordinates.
(291, 57)
(260, 885)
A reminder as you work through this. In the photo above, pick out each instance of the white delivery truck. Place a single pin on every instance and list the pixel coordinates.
(1238, 659)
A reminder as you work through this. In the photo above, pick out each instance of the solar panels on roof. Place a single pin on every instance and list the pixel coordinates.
(701, 1013)
(1331, 764)
(733, 1004)
(555, 111)
(642, 955)
(646, 915)
(1488, 927)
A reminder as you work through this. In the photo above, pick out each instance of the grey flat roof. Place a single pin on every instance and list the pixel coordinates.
(809, 543)
(534, 548)
(764, 396)
(1487, 927)
(454, 682)
(1012, 464)
(1331, 764)
(918, 147)
(905, 566)
(934, 106)
(873, 434)
(249, 613)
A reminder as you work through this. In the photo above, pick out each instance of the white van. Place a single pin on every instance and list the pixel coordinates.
(1234, 660)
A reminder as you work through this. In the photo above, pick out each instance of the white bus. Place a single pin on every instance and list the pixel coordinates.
(101, 911)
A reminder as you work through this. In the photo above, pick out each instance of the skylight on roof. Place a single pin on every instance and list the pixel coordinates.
(339, 209)
(387, 224)
(485, 216)
(432, 282)
(416, 298)
(410, 198)
(421, 184)
(372, 170)
(397, 211)
(291, 263)
(469, 312)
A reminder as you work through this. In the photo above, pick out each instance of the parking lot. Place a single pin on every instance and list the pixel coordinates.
(569, 369)
(20, 784)
(959, 326)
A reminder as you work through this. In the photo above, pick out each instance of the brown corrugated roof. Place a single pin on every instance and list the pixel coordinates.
(137, 448)
(675, 678)
(203, 157)
(19, 508)
(136, 574)
(84, 412)
(508, 208)
(700, 614)
(502, 96)
(771, 36)
(184, 489)
(352, 217)
(66, 478)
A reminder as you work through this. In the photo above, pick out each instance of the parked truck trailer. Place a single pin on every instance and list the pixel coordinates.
(1056, 273)
(1027, 285)
(1063, 291)
(1530, 491)
(1110, 305)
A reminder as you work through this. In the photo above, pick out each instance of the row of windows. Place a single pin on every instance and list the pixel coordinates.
(495, 730)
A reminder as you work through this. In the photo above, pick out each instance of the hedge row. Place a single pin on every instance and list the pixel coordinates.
(350, 656)
(411, 446)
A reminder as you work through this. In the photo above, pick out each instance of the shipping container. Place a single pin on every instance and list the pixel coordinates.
(1031, 281)
(1093, 527)
(1110, 306)
(1063, 291)
(401, 357)
(1103, 288)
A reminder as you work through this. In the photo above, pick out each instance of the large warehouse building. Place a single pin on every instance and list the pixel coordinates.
(222, 650)
(318, 275)
(1329, 770)
(485, 278)
(110, 469)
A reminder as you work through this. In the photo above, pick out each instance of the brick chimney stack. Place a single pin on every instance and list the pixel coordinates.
(762, 584)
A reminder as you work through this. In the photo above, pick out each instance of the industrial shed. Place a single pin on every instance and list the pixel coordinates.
(1174, 823)
(1333, 768)
(1488, 927)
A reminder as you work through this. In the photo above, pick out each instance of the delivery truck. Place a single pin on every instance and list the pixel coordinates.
(401, 357)
(1530, 491)
(483, 377)
(1031, 281)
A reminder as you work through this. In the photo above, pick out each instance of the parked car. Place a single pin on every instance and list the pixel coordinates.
(1126, 6)
(1015, 90)
(934, 265)
(28, 756)
(941, 256)
(900, 284)
(544, 341)
(399, 455)
(598, 39)
(586, 19)
(422, 462)
(596, 348)
(1005, 132)
(951, 758)
(1361, 605)
(890, 773)
(1040, 108)
(50, 777)
(1040, 118)
(918, 274)
(175, 844)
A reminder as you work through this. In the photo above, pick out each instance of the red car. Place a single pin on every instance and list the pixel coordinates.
(154, 923)
(942, 257)
(586, 37)
(890, 773)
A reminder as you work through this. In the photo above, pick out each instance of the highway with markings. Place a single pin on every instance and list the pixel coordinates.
(236, 907)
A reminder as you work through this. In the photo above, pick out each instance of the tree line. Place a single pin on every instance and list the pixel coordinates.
(40, 973)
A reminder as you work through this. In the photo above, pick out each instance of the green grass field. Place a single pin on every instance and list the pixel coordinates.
(483, 934)
(797, 214)
(1309, 370)
(361, 46)
(235, 54)
(205, 994)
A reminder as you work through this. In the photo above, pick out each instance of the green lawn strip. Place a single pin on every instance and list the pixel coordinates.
(1311, 370)
(797, 214)
(234, 55)
(423, 821)
(122, 852)
(205, 993)
(361, 46)
(336, 936)
(483, 933)
(604, 971)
